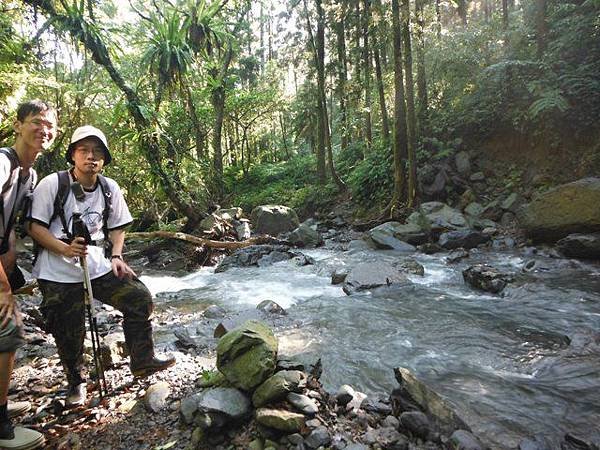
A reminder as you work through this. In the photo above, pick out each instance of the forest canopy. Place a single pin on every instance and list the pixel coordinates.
(299, 102)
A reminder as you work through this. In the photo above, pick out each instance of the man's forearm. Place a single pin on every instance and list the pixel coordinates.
(46, 239)
(117, 237)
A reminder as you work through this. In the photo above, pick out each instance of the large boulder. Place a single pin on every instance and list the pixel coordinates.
(580, 245)
(384, 237)
(274, 219)
(437, 214)
(250, 256)
(370, 275)
(569, 208)
(305, 236)
(462, 239)
(247, 355)
(486, 278)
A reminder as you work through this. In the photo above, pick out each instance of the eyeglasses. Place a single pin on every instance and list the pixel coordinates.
(98, 153)
(41, 124)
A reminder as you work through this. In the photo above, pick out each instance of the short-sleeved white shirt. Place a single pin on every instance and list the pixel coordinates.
(54, 267)
(16, 192)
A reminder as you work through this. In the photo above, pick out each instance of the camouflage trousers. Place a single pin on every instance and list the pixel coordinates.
(63, 309)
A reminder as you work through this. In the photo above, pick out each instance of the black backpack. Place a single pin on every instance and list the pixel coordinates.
(24, 208)
(64, 188)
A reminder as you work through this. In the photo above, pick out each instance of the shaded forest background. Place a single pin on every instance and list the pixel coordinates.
(310, 102)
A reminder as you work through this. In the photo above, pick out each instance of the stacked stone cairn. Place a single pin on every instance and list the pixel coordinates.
(255, 401)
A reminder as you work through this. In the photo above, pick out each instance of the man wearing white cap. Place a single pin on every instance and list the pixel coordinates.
(60, 276)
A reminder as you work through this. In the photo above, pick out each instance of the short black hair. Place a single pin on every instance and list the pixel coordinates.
(34, 106)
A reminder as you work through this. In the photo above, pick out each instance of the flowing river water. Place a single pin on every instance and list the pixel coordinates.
(512, 365)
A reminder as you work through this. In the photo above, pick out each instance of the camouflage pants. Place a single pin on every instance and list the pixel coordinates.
(63, 309)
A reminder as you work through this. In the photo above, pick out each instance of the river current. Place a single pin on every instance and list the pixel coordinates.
(512, 365)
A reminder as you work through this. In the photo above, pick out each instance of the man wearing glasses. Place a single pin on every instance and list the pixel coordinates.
(35, 130)
(103, 210)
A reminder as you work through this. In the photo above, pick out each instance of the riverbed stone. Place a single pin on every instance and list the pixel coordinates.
(384, 238)
(474, 209)
(416, 423)
(409, 265)
(563, 210)
(456, 255)
(249, 256)
(214, 406)
(438, 214)
(302, 403)
(274, 219)
(464, 440)
(318, 437)
(345, 394)
(579, 245)
(462, 239)
(155, 398)
(385, 437)
(247, 355)
(414, 393)
(280, 419)
(486, 278)
(278, 386)
(339, 276)
(370, 275)
(214, 312)
(305, 236)
(271, 307)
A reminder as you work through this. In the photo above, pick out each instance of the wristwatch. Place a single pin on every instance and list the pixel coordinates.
(116, 257)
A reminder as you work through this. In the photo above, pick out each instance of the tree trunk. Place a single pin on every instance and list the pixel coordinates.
(400, 136)
(367, 64)
(342, 74)
(385, 121)
(461, 8)
(438, 18)
(410, 105)
(505, 15)
(423, 105)
(541, 27)
(199, 133)
(149, 142)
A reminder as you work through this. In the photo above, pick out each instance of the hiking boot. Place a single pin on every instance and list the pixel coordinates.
(76, 395)
(15, 409)
(7, 431)
(23, 439)
(147, 367)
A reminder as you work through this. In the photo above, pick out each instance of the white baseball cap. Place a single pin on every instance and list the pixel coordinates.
(85, 132)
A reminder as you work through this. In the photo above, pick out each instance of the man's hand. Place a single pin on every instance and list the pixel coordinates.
(121, 269)
(77, 248)
(8, 309)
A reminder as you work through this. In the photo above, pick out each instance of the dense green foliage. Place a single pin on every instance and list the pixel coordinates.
(229, 90)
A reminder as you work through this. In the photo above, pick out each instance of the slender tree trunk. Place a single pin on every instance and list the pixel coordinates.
(505, 15)
(199, 133)
(462, 11)
(400, 135)
(438, 18)
(357, 84)
(410, 105)
(367, 63)
(541, 27)
(284, 136)
(423, 106)
(385, 121)
(342, 74)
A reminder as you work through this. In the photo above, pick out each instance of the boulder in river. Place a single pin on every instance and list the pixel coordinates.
(384, 237)
(579, 245)
(462, 239)
(370, 275)
(486, 278)
(305, 236)
(247, 355)
(569, 208)
(253, 256)
(274, 219)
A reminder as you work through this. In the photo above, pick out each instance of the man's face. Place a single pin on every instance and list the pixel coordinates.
(37, 131)
(88, 155)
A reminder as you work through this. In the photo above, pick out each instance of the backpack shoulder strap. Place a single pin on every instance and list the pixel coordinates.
(107, 203)
(14, 163)
(64, 183)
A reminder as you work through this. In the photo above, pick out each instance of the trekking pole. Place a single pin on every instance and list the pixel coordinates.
(79, 230)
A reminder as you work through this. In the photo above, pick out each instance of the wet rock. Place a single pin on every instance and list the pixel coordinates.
(247, 355)
(462, 238)
(185, 341)
(457, 255)
(339, 276)
(410, 266)
(539, 442)
(273, 219)
(384, 238)
(414, 394)
(270, 307)
(303, 403)
(318, 437)
(156, 395)
(464, 440)
(214, 312)
(370, 275)
(249, 256)
(386, 438)
(563, 210)
(345, 394)
(416, 423)
(212, 406)
(235, 321)
(503, 243)
(305, 236)
(486, 278)
(273, 257)
(578, 245)
(278, 386)
(280, 419)
(376, 405)
(430, 248)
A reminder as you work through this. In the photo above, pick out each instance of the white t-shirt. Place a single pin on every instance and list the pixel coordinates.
(53, 267)
(14, 195)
